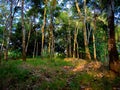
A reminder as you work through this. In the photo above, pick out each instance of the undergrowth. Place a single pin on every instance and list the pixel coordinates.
(46, 74)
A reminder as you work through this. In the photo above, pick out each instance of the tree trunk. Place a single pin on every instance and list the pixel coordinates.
(34, 49)
(29, 35)
(78, 9)
(88, 28)
(37, 49)
(42, 29)
(75, 47)
(114, 65)
(94, 45)
(51, 35)
(35, 45)
(8, 33)
(51, 41)
(77, 50)
(67, 51)
(87, 51)
(69, 41)
(23, 33)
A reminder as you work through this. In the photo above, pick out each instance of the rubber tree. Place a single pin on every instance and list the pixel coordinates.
(84, 18)
(51, 28)
(87, 51)
(8, 26)
(114, 65)
(43, 27)
(23, 33)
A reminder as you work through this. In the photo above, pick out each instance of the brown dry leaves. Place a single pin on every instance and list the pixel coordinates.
(94, 68)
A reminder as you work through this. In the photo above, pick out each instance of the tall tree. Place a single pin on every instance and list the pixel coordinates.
(8, 31)
(75, 47)
(51, 28)
(87, 51)
(8, 26)
(113, 54)
(23, 33)
(43, 27)
(94, 30)
(69, 40)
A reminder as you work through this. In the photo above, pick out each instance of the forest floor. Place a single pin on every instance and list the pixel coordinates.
(57, 74)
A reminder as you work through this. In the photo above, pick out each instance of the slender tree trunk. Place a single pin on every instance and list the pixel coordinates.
(77, 50)
(69, 40)
(94, 45)
(113, 54)
(43, 27)
(51, 35)
(67, 52)
(11, 20)
(23, 33)
(34, 50)
(29, 35)
(5, 35)
(87, 51)
(8, 33)
(78, 9)
(0, 56)
(37, 50)
(6, 54)
(88, 28)
(51, 41)
(1, 49)
(75, 47)
(66, 46)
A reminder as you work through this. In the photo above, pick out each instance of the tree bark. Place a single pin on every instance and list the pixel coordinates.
(23, 33)
(94, 45)
(87, 51)
(75, 47)
(42, 29)
(37, 49)
(29, 35)
(51, 40)
(114, 65)
(51, 29)
(34, 49)
(69, 41)
(8, 33)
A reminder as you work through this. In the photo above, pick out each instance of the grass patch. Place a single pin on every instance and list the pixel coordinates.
(46, 74)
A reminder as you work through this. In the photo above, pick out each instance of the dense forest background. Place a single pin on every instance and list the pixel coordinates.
(85, 29)
(70, 29)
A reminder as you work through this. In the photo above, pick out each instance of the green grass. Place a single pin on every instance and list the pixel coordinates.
(45, 74)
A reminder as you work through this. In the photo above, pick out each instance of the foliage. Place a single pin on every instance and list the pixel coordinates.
(15, 54)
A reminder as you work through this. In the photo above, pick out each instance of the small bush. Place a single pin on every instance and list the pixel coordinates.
(14, 54)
